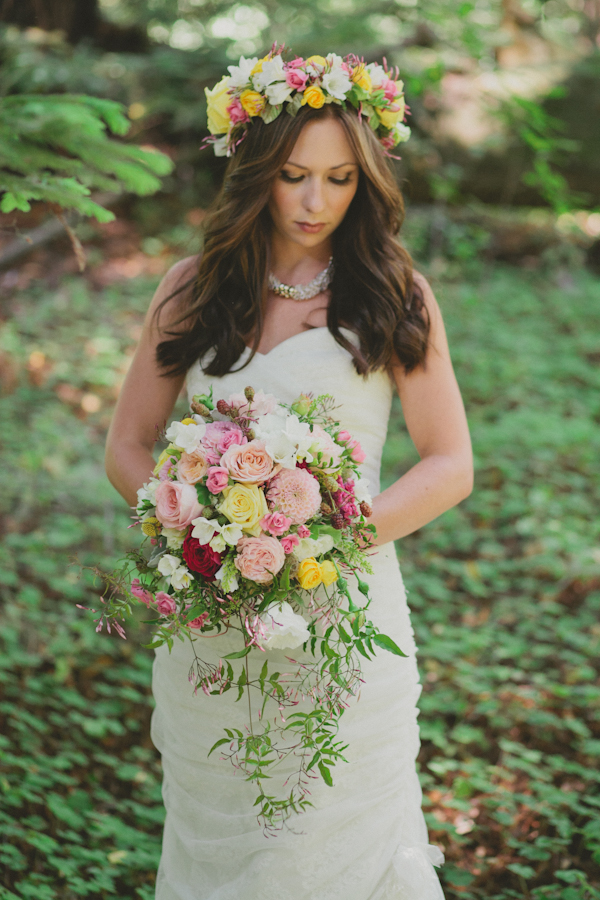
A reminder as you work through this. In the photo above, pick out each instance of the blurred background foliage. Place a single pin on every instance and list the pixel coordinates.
(502, 184)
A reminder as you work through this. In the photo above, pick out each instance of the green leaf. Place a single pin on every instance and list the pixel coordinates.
(219, 743)
(382, 640)
(325, 774)
(270, 113)
(239, 654)
(203, 494)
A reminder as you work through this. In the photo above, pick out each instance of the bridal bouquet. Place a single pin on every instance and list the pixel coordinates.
(255, 518)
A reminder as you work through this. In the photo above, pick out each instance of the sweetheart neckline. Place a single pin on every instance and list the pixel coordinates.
(293, 337)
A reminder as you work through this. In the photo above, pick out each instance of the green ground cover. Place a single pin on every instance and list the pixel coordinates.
(505, 592)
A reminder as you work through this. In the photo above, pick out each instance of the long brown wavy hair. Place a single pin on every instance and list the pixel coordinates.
(372, 291)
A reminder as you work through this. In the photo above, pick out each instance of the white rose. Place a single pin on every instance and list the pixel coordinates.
(240, 74)
(168, 564)
(361, 491)
(181, 579)
(186, 437)
(283, 629)
(337, 83)
(313, 547)
(175, 538)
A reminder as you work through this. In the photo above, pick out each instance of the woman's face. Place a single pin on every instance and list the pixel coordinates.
(312, 192)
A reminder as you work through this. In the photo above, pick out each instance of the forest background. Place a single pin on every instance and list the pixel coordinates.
(502, 185)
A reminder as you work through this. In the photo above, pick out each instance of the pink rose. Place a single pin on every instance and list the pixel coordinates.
(303, 531)
(296, 79)
(289, 542)
(218, 479)
(176, 504)
(295, 63)
(259, 558)
(192, 466)
(199, 621)
(357, 452)
(141, 593)
(344, 437)
(389, 88)
(250, 463)
(276, 523)
(236, 111)
(218, 437)
(165, 604)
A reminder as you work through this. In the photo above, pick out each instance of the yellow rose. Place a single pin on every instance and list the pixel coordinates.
(318, 60)
(245, 505)
(389, 117)
(361, 77)
(309, 573)
(164, 456)
(314, 96)
(252, 102)
(329, 573)
(217, 102)
(151, 526)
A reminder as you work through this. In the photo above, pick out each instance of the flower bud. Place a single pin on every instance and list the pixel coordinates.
(249, 394)
(205, 400)
(366, 509)
(224, 407)
(302, 405)
(326, 509)
(330, 484)
(337, 520)
(200, 409)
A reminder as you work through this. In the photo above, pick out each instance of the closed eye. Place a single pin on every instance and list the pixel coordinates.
(296, 179)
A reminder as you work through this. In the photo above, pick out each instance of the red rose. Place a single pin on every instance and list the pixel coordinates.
(201, 558)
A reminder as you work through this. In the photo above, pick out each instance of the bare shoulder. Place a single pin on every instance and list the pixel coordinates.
(428, 294)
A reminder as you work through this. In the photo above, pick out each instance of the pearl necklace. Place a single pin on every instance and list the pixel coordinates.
(301, 292)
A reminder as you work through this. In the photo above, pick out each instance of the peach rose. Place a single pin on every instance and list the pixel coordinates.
(249, 463)
(259, 558)
(192, 467)
(176, 504)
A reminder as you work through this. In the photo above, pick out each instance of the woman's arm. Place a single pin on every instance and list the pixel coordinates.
(436, 421)
(147, 398)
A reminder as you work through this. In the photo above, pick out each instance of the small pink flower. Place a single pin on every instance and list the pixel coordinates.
(218, 478)
(164, 473)
(296, 79)
(275, 523)
(290, 541)
(218, 437)
(295, 63)
(199, 621)
(236, 111)
(357, 452)
(389, 88)
(141, 593)
(344, 437)
(303, 531)
(165, 604)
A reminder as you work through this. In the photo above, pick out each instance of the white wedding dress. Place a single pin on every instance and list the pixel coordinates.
(365, 838)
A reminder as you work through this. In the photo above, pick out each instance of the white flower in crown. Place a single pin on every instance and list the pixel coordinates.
(337, 83)
(240, 74)
(221, 146)
(272, 70)
(377, 73)
(402, 132)
(278, 92)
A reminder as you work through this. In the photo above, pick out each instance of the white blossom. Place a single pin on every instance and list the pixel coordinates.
(181, 579)
(377, 73)
(221, 146)
(361, 491)
(240, 74)
(286, 439)
(186, 437)
(272, 70)
(228, 579)
(282, 628)
(175, 538)
(204, 529)
(208, 531)
(168, 564)
(278, 92)
(402, 132)
(337, 83)
(148, 492)
(313, 547)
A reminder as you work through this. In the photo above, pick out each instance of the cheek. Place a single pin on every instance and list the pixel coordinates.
(282, 200)
(342, 198)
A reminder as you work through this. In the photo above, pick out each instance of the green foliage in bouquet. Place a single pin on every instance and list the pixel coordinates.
(56, 148)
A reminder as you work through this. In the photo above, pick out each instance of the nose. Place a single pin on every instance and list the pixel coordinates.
(314, 200)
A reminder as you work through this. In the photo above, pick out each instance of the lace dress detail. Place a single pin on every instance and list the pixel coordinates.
(363, 839)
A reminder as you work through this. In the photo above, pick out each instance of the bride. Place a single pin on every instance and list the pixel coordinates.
(303, 286)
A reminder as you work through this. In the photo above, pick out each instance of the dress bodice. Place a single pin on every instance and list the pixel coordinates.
(312, 362)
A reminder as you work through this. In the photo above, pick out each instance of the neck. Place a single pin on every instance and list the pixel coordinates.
(290, 260)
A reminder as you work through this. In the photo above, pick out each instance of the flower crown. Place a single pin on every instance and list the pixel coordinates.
(263, 87)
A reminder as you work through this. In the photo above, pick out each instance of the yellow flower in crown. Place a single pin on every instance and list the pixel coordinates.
(252, 102)
(318, 60)
(217, 102)
(361, 77)
(259, 65)
(314, 96)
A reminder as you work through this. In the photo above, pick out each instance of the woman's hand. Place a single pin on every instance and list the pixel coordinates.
(147, 397)
(436, 421)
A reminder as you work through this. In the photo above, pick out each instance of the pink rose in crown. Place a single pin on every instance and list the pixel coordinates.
(217, 479)
(140, 593)
(259, 558)
(296, 79)
(390, 89)
(295, 493)
(249, 464)
(176, 504)
(236, 111)
(165, 604)
(275, 523)
(289, 542)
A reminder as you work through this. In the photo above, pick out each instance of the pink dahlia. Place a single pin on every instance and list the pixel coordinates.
(295, 493)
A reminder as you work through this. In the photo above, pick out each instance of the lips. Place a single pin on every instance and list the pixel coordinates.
(311, 228)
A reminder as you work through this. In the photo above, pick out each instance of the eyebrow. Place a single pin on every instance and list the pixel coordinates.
(298, 166)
